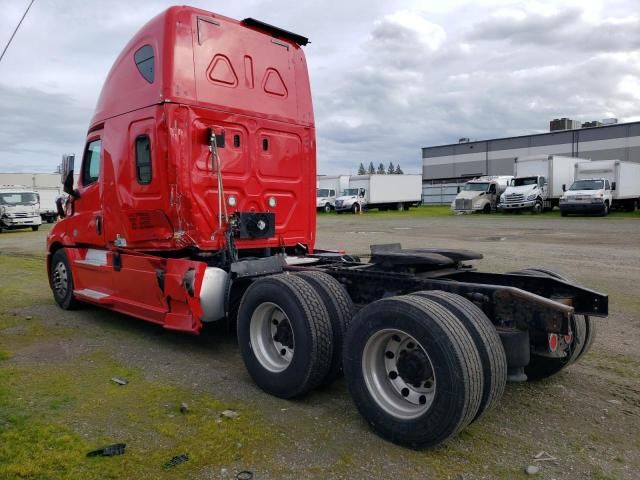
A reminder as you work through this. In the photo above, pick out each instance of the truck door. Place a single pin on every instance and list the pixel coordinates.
(544, 188)
(89, 225)
(492, 195)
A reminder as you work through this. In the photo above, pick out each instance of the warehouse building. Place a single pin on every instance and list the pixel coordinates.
(444, 167)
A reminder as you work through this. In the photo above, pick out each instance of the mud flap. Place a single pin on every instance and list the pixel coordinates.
(182, 286)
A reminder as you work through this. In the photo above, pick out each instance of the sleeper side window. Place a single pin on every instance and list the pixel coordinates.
(145, 61)
(143, 159)
(91, 163)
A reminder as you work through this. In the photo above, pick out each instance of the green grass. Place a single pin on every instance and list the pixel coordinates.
(445, 211)
(51, 417)
(422, 211)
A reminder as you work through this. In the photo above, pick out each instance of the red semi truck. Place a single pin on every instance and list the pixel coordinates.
(195, 204)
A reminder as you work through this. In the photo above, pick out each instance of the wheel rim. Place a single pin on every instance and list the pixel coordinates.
(271, 336)
(399, 374)
(327, 208)
(61, 279)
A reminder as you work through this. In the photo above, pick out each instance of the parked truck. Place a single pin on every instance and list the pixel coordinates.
(538, 182)
(195, 205)
(384, 192)
(602, 185)
(482, 194)
(329, 187)
(19, 208)
(47, 198)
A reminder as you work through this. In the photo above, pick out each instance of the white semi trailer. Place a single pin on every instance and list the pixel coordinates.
(384, 192)
(602, 185)
(539, 182)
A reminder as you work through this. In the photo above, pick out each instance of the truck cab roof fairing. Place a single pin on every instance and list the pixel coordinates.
(197, 60)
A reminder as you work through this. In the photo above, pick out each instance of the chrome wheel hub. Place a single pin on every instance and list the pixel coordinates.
(398, 373)
(271, 336)
(60, 279)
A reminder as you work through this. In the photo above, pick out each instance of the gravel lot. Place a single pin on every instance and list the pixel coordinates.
(587, 417)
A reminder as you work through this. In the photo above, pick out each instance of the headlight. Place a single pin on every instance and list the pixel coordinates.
(232, 201)
(563, 200)
(532, 196)
(477, 205)
(596, 200)
(272, 202)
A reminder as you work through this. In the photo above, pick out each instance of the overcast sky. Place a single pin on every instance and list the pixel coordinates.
(388, 77)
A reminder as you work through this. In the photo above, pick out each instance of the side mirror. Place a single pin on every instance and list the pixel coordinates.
(564, 187)
(66, 174)
(613, 186)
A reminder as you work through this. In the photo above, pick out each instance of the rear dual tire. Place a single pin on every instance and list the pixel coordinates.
(486, 339)
(413, 370)
(285, 335)
(291, 329)
(340, 310)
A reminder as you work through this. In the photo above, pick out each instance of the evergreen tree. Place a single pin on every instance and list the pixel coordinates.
(372, 169)
(381, 170)
(361, 169)
(391, 170)
(398, 170)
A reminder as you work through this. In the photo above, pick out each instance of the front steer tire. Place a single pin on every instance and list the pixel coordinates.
(340, 309)
(438, 369)
(486, 339)
(61, 281)
(285, 335)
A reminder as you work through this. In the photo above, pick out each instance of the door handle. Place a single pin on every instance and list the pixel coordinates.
(99, 225)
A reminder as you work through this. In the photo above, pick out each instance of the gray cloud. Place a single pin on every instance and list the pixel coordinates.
(566, 29)
(387, 77)
(37, 127)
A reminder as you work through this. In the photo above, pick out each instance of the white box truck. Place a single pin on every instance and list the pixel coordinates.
(329, 187)
(602, 185)
(481, 194)
(539, 182)
(384, 192)
(47, 197)
(19, 208)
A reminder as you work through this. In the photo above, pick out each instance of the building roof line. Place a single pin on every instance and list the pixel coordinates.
(475, 142)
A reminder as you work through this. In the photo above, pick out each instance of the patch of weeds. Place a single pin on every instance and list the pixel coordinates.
(598, 474)
(4, 355)
(50, 418)
(16, 332)
(622, 365)
(23, 282)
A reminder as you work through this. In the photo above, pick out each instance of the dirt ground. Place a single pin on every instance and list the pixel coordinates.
(57, 400)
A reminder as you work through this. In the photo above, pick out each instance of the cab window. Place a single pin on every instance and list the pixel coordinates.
(91, 163)
(607, 185)
(143, 160)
